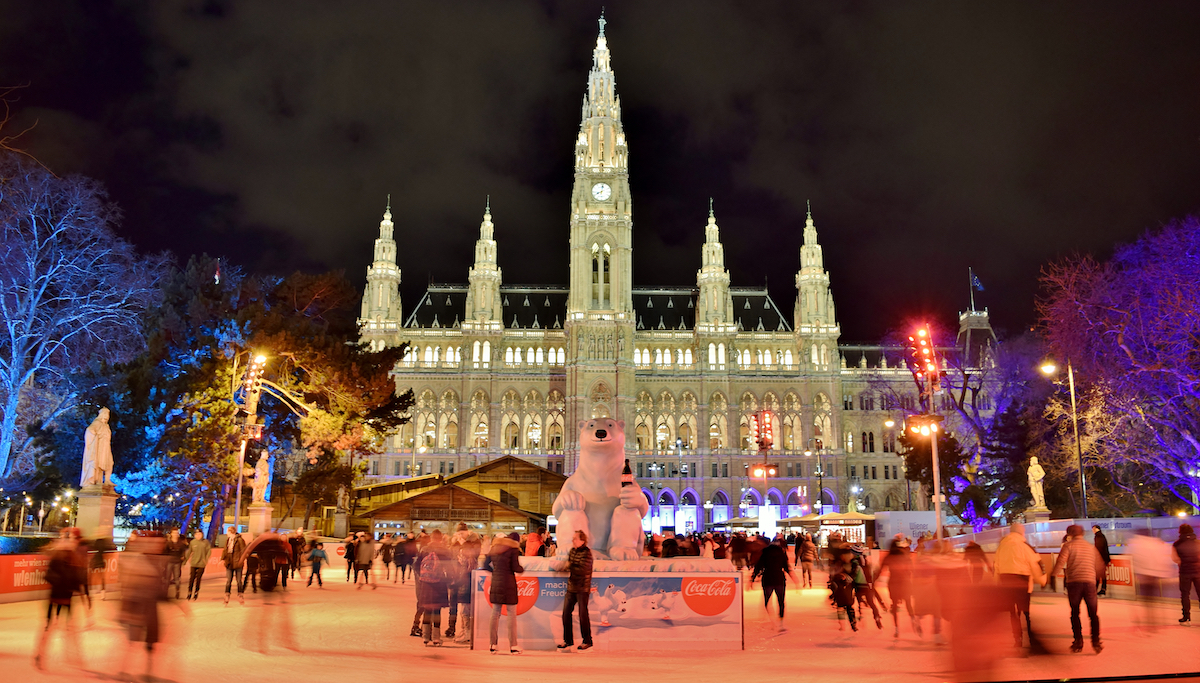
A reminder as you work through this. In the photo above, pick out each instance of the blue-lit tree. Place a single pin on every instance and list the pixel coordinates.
(72, 300)
(1131, 329)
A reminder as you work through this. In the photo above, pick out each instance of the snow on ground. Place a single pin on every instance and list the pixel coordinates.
(341, 633)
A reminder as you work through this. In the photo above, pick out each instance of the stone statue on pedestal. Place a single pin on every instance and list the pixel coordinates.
(97, 452)
(1036, 475)
(262, 476)
(343, 500)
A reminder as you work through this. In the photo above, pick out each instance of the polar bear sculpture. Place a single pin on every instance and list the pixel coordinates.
(593, 500)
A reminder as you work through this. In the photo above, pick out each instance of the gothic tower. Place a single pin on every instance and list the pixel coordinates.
(600, 304)
(815, 320)
(483, 310)
(381, 299)
(714, 312)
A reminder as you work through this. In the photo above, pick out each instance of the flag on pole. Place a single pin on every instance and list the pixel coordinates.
(976, 283)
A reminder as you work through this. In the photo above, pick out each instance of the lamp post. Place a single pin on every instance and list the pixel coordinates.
(252, 430)
(1049, 368)
(927, 425)
(890, 424)
(820, 474)
(708, 513)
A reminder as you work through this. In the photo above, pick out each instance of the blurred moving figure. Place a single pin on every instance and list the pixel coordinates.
(898, 566)
(1152, 564)
(65, 575)
(1084, 569)
(142, 568)
(1102, 547)
(774, 569)
(1018, 567)
(1186, 553)
(274, 613)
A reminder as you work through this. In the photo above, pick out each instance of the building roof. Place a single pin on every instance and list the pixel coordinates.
(503, 461)
(456, 492)
(545, 307)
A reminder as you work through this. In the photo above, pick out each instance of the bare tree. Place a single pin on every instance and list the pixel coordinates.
(1131, 327)
(71, 292)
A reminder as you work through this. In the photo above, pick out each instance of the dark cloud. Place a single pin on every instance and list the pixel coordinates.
(930, 137)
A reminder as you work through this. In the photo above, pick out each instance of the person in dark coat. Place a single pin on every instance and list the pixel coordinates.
(387, 550)
(579, 587)
(1186, 553)
(350, 550)
(406, 550)
(432, 591)
(65, 579)
(504, 562)
(1102, 548)
(774, 569)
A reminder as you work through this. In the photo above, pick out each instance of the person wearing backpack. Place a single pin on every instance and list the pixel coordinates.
(432, 592)
(504, 561)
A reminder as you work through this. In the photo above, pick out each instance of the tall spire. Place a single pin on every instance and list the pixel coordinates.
(483, 306)
(601, 142)
(814, 302)
(381, 298)
(715, 309)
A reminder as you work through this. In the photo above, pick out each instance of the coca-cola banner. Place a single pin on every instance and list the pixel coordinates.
(627, 610)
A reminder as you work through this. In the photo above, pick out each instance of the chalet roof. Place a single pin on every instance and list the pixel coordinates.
(414, 501)
(503, 460)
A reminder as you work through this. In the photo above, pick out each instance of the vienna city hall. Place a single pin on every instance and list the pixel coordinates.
(499, 370)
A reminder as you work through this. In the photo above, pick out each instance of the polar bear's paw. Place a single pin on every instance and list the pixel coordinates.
(623, 554)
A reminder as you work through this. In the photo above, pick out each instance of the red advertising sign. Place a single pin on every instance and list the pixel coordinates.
(1120, 572)
(528, 588)
(27, 573)
(708, 596)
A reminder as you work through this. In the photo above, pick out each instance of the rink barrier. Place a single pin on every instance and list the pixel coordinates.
(628, 611)
(23, 577)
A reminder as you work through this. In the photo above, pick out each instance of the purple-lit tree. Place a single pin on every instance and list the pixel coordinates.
(1131, 329)
(71, 294)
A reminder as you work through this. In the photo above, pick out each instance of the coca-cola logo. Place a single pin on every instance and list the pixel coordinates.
(528, 590)
(708, 597)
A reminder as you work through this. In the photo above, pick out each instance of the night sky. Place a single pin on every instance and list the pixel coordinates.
(929, 136)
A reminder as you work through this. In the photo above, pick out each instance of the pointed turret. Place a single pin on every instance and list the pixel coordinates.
(814, 303)
(715, 309)
(483, 307)
(381, 298)
(601, 212)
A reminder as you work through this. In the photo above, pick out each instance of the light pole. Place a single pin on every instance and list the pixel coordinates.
(1049, 368)
(927, 425)
(890, 424)
(820, 474)
(253, 390)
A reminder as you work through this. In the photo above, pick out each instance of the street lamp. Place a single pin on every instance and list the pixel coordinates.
(1049, 369)
(927, 425)
(820, 474)
(252, 386)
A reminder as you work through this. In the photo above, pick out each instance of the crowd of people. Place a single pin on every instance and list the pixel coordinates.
(932, 583)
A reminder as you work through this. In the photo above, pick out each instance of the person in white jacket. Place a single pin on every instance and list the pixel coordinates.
(1018, 567)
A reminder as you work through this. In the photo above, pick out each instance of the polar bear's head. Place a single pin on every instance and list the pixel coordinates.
(602, 443)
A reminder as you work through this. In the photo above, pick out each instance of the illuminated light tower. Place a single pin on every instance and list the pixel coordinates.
(251, 392)
(922, 362)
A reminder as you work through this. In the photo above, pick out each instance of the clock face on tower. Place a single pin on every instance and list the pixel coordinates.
(601, 191)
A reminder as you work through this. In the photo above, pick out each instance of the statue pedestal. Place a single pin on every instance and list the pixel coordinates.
(341, 525)
(97, 508)
(1037, 514)
(260, 519)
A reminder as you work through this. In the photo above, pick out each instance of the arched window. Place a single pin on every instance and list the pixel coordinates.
(637, 356)
(870, 448)
(687, 499)
(475, 353)
(555, 437)
(658, 356)
(712, 354)
(787, 358)
(685, 433)
(508, 356)
(512, 435)
(816, 359)
(529, 356)
(481, 435)
(450, 436)
(642, 436)
(428, 354)
(721, 354)
(767, 358)
(849, 442)
(539, 355)
(487, 353)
